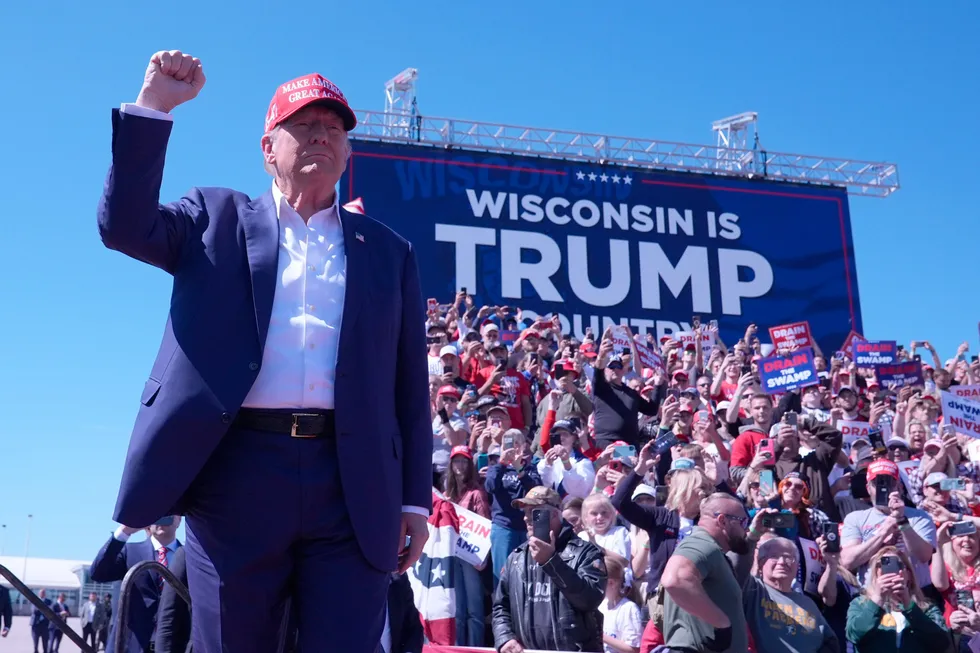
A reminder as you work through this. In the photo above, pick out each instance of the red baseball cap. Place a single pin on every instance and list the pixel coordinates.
(882, 466)
(461, 450)
(296, 94)
(449, 391)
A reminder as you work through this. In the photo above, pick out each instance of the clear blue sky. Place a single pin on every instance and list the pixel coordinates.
(870, 80)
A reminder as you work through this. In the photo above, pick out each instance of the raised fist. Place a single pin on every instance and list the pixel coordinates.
(172, 78)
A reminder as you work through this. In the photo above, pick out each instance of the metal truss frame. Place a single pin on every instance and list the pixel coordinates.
(863, 178)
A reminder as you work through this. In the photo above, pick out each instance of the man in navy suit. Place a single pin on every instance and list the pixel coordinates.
(288, 316)
(118, 556)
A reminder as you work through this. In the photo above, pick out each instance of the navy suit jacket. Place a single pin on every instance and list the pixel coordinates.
(222, 249)
(114, 559)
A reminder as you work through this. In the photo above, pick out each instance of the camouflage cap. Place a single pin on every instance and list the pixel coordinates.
(538, 496)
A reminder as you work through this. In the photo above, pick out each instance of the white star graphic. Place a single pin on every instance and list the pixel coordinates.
(437, 573)
(580, 175)
(627, 179)
(603, 177)
(615, 179)
(591, 176)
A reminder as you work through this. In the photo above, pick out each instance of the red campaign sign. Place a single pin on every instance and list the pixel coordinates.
(791, 336)
(848, 345)
(647, 356)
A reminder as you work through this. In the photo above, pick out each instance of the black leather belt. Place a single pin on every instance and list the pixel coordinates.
(296, 424)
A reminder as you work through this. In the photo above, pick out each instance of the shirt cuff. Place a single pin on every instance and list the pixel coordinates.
(121, 535)
(143, 112)
(416, 510)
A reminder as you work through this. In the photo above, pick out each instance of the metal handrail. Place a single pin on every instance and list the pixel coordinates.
(52, 616)
(122, 618)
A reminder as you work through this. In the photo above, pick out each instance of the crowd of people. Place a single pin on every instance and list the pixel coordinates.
(682, 506)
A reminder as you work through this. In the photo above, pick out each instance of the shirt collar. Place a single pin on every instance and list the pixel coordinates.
(280, 202)
(156, 544)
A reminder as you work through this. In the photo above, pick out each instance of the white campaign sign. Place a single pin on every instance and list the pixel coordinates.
(473, 543)
(963, 414)
(813, 565)
(620, 339)
(905, 470)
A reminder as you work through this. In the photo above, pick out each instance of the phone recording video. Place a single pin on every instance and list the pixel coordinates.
(779, 520)
(884, 486)
(890, 565)
(768, 449)
(541, 524)
(962, 528)
(831, 533)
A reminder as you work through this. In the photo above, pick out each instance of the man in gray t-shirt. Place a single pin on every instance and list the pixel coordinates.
(703, 597)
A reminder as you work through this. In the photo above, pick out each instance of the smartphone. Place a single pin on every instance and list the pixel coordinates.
(877, 442)
(713, 324)
(965, 598)
(766, 447)
(838, 355)
(793, 419)
(432, 304)
(508, 443)
(443, 415)
(917, 358)
(481, 419)
(541, 524)
(831, 533)
(950, 484)
(884, 486)
(704, 416)
(779, 520)
(890, 565)
(696, 321)
(463, 290)
(533, 357)
(663, 444)
(962, 528)
(433, 340)
(623, 452)
(949, 429)
(165, 521)
(900, 348)
(482, 460)
(660, 494)
(558, 371)
(447, 369)
(746, 369)
(502, 363)
(975, 358)
(767, 482)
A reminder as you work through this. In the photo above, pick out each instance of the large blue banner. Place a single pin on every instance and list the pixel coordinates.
(602, 244)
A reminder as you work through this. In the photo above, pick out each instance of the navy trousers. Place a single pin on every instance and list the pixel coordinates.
(267, 522)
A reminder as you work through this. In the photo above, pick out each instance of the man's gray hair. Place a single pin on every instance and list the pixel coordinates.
(770, 547)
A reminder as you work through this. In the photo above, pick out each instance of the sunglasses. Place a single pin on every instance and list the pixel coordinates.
(741, 521)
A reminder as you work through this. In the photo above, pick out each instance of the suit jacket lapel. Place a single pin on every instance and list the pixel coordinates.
(357, 272)
(262, 247)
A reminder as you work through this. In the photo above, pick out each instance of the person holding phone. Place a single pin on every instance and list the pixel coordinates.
(449, 430)
(616, 404)
(954, 574)
(551, 586)
(564, 467)
(510, 479)
(893, 614)
(887, 523)
(117, 557)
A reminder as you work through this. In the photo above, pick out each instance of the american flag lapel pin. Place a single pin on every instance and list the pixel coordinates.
(358, 235)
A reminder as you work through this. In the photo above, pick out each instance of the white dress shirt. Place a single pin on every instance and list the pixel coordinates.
(299, 362)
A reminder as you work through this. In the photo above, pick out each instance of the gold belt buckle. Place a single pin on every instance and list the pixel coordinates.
(293, 433)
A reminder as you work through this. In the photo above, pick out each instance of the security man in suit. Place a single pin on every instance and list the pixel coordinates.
(287, 312)
(40, 623)
(117, 557)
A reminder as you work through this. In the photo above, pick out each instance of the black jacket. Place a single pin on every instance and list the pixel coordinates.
(6, 609)
(173, 616)
(525, 607)
(662, 524)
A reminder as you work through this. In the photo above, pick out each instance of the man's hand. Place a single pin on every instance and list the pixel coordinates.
(129, 530)
(171, 79)
(513, 646)
(896, 507)
(541, 551)
(416, 527)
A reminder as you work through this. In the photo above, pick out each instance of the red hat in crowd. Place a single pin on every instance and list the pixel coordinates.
(449, 391)
(588, 350)
(569, 367)
(880, 467)
(690, 347)
(461, 450)
(298, 93)
(680, 373)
